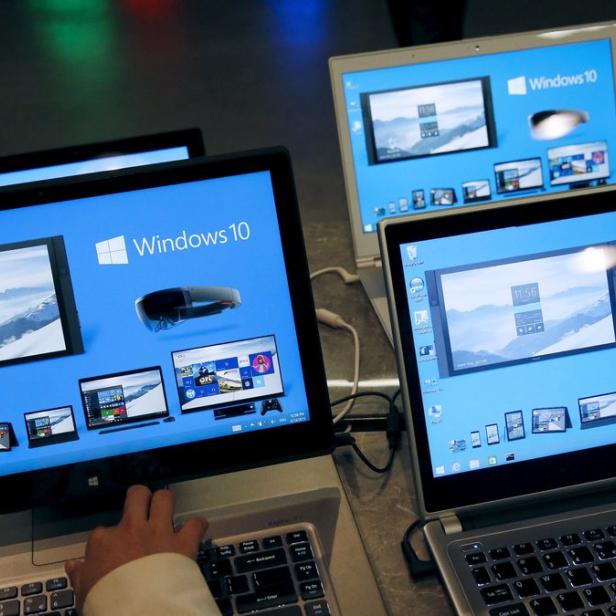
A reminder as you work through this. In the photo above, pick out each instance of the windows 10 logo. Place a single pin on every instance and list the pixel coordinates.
(112, 251)
(517, 86)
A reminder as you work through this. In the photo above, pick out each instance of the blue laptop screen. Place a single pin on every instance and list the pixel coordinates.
(485, 128)
(163, 309)
(515, 337)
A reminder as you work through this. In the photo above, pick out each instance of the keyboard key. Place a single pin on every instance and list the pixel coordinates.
(237, 585)
(9, 608)
(481, 575)
(570, 601)
(546, 544)
(579, 576)
(61, 599)
(593, 535)
(218, 569)
(581, 555)
(503, 571)
(499, 553)
(476, 558)
(604, 571)
(33, 588)
(570, 539)
(10, 592)
(56, 584)
(248, 547)
(592, 613)
(529, 565)
(300, 552)
(272, 596)
(260, 560)
(555, 560)
(596, 595)
(271, 577)
(225, 551)
(605, 549)
(526, 588)
(71, 612)
(521, 549)
(293, 610)
(225, 607)
(298, 536)
(496, 594)
(552, 582)
(311, 590)
(35, 605)
(306, 571)
(514, 609)
(611, 530)
(544, 606)
(271, 542)
(319, 608)
(217, 588)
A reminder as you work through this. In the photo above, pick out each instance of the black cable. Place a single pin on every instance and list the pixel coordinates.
(362, 394)
(372, 467)
(418, 567)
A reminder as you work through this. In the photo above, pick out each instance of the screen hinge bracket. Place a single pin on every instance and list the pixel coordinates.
(451, 524)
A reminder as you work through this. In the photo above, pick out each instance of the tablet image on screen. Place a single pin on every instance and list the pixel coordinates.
(428, 119)
(123, 397)
(50, 426)
(548, 420)
(492, 436)
(522, 309)
(518, 175)
(478, 190)
(597, 410)
(37, 313)
(514, 423)
(5, 436)
(228, 373)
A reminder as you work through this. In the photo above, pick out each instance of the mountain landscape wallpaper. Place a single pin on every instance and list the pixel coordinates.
(574, 305)
(30, 322)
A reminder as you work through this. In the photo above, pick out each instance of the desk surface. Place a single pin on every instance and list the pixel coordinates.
(249, 74)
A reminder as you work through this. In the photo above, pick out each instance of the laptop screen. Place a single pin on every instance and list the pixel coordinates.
(532, 305)
(144, 319)
(426, 135)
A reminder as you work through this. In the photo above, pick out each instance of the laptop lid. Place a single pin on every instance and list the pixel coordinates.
(99, 157)
(504, 323)
(156, 325)
(440, 126)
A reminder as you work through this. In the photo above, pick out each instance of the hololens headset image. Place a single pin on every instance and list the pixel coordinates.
(166, 308)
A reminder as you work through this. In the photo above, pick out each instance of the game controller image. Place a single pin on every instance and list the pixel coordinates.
(272, 404)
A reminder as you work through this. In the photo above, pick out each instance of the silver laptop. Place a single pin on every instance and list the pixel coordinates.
(152, 330)
(505, 332)
(438, 127)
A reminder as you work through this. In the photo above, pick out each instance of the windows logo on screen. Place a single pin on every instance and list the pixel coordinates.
(517, 86)
(112, 251)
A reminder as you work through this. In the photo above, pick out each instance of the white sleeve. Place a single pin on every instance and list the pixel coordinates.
(156, 585)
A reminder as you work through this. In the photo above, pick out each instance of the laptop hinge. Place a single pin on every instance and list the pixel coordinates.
(368, 262)
(451, 524)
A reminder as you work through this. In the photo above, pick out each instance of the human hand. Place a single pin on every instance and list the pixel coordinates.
(146, 528)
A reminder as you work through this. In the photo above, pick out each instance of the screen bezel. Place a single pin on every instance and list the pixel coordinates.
(127, 420)
(242, 450)
(489, 485)
(488, 107)
(231, 403)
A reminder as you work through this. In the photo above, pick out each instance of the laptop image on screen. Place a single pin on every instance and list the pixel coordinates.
(100, 157)
(504, 324)
(445, 126)
(157, 328)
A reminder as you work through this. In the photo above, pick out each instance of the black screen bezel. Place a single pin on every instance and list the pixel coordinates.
(504, 481)
(53, 438)
(241, 450)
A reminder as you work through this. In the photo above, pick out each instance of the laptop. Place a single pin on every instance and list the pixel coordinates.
(439, 127)
(157, 327)
(505, 333)
(100, 157)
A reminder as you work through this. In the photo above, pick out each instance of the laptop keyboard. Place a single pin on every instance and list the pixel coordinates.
(51, 597)
(570, 572)
(268, 575)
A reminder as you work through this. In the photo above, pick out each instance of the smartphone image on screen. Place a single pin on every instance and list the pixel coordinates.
(5, 437)
(492, 437)
(475, 439)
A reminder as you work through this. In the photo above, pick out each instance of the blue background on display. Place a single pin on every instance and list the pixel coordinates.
(380, 185)
(469, 402)
(114, 338)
